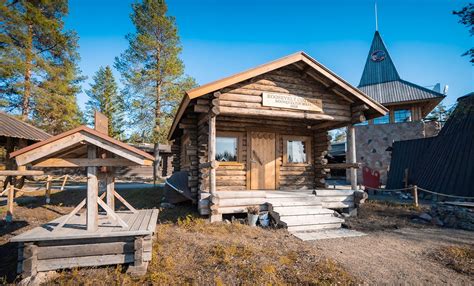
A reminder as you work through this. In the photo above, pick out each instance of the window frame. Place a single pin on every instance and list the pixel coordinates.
(306, 139)
(230, 134)
(410, 117)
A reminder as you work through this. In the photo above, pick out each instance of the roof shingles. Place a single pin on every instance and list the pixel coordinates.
(12, 127)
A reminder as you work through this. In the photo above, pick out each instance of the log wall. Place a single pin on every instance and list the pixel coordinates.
(240, 110)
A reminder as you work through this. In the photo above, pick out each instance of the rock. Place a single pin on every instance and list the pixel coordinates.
(167, 206)
(418, 220)
(425, 216)
(437, 221)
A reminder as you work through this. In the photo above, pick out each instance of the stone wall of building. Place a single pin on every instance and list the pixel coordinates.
(372, 142)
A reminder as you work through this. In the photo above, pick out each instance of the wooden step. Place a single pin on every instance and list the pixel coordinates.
(333, 193)
(310, 221)
(301, 210)
(289, 203)
(313, 227)
(326, 234)
(281, 194)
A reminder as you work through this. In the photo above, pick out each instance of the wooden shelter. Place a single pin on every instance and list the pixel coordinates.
(91, 238)
(245, 137)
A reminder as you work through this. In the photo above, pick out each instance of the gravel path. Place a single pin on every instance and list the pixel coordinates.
(398, 257)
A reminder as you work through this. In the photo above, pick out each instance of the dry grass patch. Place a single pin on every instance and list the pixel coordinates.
(459, 258)
(195, 252)
(376, 216)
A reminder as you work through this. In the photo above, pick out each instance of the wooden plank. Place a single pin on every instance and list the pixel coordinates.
(124, 202)
(84, 162)
(79, 250)
(50, 148)
(154, 218)
(21, 173)
(62, 263)
(111, 213)
(101, 123)
(141, 216)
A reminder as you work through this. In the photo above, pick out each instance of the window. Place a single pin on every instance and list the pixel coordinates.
(382, 120)
(226, 148)
(362, 123)
(186, 142)
(297, 150)
(402, 115)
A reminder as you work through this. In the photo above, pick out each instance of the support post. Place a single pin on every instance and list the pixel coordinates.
(351, 150)
(415, 195)
(212, 159)
(11, 194)
(109, 180)
(92, 219)
(48, 190)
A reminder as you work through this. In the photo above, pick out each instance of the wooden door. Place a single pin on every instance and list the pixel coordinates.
(262, 161)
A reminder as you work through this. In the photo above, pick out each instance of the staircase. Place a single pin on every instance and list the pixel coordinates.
(301, 212)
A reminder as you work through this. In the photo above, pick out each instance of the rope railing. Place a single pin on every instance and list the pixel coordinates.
(415, 190)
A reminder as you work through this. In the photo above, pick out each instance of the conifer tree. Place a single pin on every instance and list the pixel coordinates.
(104, 97)
(152, 71)
(39, 63)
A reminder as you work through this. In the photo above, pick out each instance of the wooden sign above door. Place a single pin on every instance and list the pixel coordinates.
(291, 101)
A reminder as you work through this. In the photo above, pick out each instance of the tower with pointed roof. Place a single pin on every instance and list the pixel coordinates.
(407, 102)
(381, 81)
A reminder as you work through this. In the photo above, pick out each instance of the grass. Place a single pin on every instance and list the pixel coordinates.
(377, 216)
(187, 249)
(458, 258)
(194, 252)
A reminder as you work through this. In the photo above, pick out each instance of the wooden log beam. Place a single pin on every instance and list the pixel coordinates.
(343, 165)
(85, 162)
(225, 110)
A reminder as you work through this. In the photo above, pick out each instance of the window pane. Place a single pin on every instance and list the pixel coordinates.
(382, 120)
(402, 115)
(226, 149)
(296, 152)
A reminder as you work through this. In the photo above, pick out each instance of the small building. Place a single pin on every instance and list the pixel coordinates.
(408, 105)
(92, 237)
(442, 164)
(264, 131)
(146, 172)
(16, 134)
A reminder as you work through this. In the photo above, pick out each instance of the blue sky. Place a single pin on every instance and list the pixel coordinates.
(222, 37)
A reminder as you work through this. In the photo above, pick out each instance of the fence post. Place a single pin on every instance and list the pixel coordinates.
(48, 189)
(11, 194)
(415, 195)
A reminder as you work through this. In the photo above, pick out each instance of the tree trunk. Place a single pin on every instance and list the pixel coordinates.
(25, 105)
(156, 151)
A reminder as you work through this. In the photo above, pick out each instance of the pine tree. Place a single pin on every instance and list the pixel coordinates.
(103, 97)
(39, 63)
(152, 72)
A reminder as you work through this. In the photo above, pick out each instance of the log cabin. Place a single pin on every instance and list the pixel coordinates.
(263, 133)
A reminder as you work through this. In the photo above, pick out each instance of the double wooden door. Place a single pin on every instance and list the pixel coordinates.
(262, 161)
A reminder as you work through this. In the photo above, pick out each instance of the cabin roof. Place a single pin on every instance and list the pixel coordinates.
(84, 130)
(265, 68)
(15, 128)
(380, 79)
(400, 91)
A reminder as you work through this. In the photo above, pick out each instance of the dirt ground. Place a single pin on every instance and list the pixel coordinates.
(190, 251)
(397, 251)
